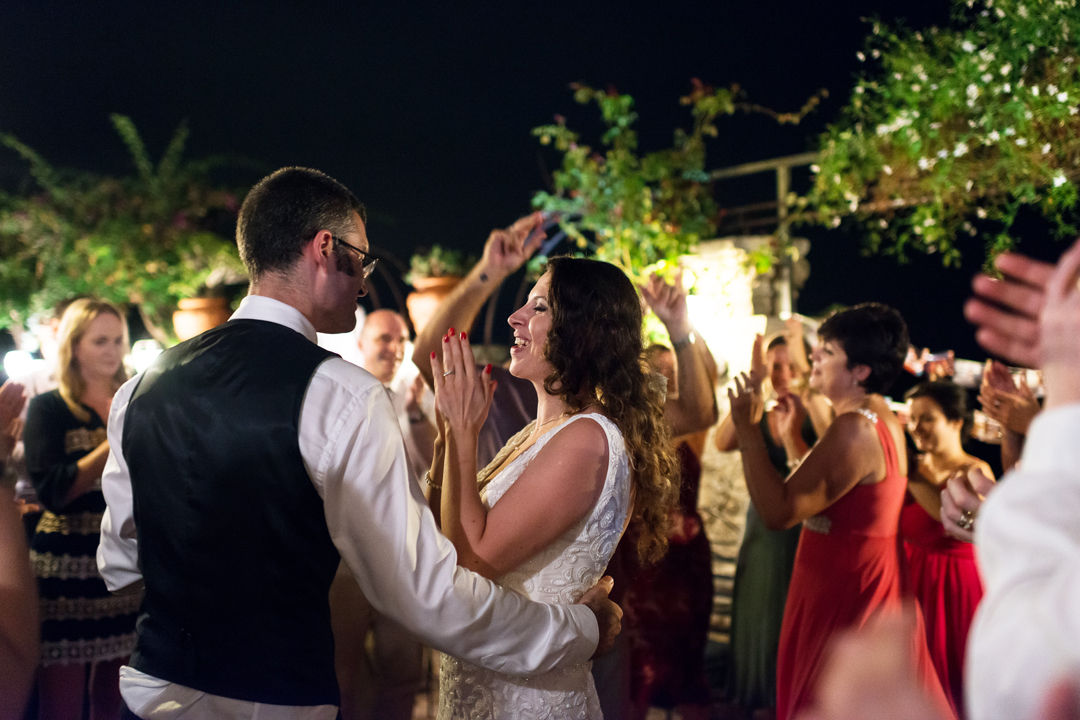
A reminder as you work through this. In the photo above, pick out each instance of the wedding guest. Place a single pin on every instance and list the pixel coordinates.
(381, 683)
(847, 492)
(942, 571)
(86, 633)
(1026, 635)
(1011, 403)
(766, 556)
(43, 378)
(19, 628)
(668, 604)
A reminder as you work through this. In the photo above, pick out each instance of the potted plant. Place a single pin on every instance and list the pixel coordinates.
(433, 273)
(147, 239)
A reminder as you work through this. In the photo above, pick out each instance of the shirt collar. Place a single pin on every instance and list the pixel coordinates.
(260, 307)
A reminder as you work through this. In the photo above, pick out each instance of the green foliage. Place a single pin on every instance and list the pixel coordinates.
(950, 132)
(438, 261)
(148, 239)
(628, 208)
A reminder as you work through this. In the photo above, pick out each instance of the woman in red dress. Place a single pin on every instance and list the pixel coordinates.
(847, 492)
(942, 571)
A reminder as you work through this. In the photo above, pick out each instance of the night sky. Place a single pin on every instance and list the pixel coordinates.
(424, 110)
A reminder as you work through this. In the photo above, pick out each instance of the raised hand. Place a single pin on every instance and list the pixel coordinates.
(462, 393)
(1059, 337)
(507, 249)
(747, 405)
(793, 332)
(668, 301)
(759, 364)
(1006, 311)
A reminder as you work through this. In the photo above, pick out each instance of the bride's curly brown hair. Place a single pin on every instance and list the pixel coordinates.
(595, 347)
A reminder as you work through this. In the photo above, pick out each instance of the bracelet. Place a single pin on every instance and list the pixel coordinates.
(677, 345)
(793, 463)
(431, 483)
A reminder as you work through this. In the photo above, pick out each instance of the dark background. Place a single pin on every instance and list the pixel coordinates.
(424, 110)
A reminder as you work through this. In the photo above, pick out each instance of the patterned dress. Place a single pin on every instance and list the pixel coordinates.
(558, 574)
(81, 621)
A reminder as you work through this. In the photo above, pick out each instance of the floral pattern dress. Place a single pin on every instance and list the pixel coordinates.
(558, 574)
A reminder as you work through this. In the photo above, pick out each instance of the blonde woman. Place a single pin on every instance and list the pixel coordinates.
(86, 633)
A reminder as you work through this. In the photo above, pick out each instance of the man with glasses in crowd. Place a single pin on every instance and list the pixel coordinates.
(245, 460)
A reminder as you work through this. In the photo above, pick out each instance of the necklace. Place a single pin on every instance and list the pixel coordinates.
(519, 443)
(552, 420)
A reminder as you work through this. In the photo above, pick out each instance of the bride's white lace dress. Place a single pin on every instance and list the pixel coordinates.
(558, 574)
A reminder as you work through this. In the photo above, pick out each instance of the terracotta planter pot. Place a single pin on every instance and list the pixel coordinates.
(428, 293)
(196, 315)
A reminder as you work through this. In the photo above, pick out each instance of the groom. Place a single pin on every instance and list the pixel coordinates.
(245, 460)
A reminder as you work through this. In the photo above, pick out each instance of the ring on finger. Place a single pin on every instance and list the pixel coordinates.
(449, 372)
(966, 520)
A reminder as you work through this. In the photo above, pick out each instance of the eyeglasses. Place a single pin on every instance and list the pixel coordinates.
(367, 260)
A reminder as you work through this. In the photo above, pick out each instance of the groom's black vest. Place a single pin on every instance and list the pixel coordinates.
(232, 537)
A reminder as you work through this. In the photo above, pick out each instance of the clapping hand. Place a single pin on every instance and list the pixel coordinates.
(747, 405)
(463, 394)
(961, 499)
(1059, 338)
(791, 413)
(1006, 311)
(1011, 404)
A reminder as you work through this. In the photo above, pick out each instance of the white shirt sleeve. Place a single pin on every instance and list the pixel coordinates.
(1026, 633)
(381, 524)
(118, 549)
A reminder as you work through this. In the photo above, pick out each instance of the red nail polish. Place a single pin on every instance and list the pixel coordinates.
(446, 339)
(464, 335)
(432, 354)
(488, 369)
(450, 331)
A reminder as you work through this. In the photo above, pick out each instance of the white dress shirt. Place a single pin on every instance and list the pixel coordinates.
(1026, 632)
(380, 523)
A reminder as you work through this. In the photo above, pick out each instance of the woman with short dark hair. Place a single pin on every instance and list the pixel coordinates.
(847, 492)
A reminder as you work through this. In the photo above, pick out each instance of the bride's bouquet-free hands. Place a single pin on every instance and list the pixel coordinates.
(463, 393)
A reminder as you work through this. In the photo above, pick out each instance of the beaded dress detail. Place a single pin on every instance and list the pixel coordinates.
(558, 574)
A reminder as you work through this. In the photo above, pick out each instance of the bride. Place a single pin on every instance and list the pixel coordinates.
(544, 517)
